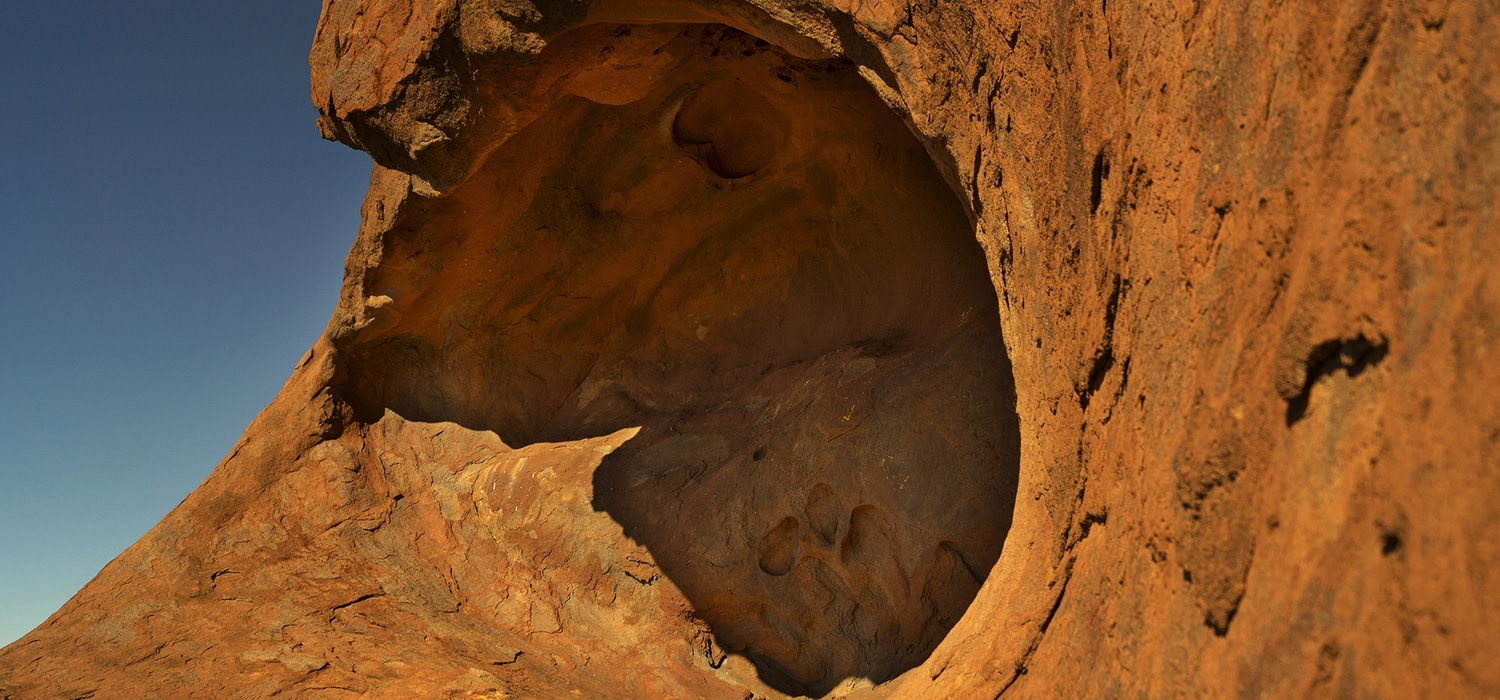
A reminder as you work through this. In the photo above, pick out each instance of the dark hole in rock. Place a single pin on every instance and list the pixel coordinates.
(1390, 543)
(769, 277)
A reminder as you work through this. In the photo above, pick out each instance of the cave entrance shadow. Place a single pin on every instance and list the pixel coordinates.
(750, 257)
(839, 530)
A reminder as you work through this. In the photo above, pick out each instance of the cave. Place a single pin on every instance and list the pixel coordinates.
(747, 258)
(668, 364)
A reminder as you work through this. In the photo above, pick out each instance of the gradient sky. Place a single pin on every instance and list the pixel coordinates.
(172, 236)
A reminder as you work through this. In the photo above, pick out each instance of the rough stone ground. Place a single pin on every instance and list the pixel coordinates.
(1220, 425)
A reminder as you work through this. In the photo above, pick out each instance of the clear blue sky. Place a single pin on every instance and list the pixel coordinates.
(172, 235)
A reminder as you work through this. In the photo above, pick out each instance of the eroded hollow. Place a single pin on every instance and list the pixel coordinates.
(750, 257)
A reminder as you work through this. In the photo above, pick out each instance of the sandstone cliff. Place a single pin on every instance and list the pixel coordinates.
(753, 348)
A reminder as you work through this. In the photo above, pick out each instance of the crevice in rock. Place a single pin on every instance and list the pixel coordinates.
(1352, 355)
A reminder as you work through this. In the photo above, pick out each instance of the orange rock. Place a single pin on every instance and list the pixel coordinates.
(750, 349)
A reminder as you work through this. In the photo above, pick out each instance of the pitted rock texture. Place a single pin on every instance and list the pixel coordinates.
(747, 348)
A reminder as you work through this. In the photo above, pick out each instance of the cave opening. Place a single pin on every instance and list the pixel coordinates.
(750, 258)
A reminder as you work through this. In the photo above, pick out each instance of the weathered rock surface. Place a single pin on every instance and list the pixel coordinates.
(745, 348)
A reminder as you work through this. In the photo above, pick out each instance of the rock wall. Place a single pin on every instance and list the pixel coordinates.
(748, 348)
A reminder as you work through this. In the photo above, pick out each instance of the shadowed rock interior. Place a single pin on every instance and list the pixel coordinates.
(747, 258)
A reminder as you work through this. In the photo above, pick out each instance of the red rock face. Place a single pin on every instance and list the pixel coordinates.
(743, 349)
